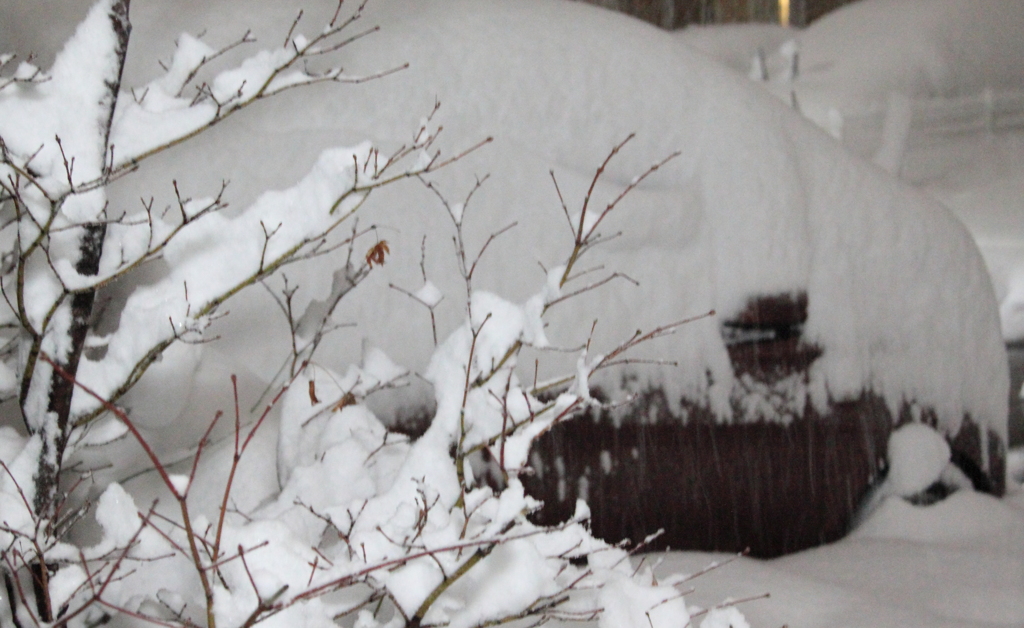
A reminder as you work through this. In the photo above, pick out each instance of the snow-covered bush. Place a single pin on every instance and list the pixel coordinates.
(368, 527)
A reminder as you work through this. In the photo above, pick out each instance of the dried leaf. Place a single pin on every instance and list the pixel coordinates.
(348, 399)
(376, 253)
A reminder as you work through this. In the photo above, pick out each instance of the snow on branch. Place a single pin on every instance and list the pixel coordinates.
(215, 258)
(364, 518)
(163, 114)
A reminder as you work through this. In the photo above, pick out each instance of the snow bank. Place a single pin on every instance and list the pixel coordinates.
(965, 519)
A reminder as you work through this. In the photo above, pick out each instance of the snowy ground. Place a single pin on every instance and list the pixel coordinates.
(957, 563)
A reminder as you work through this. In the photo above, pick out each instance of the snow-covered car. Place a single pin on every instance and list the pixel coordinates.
(846, 302)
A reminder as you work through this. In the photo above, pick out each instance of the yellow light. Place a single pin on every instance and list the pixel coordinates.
(784, 12)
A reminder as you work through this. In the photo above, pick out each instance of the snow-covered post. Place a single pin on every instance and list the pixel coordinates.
(988, 100)
(759, 67)
(790, 51)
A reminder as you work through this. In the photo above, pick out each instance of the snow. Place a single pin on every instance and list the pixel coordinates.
(963, 519)
(429, 295)
(758, 202)
(65, 583)
(180, 483)
(209, 257)
(101, 432)
(310, 433)
(514, 576)
(79, 75)
(728, 617)
(736, 46)
(627, 605)
(378, 369)
(189, 54)
(931, 90)
(917, 455)
(117, 514)
(1015, 465)
(696, 236)
(17, 490)
(57, 137)
(244, 82)
(918, 48)
(955, 563)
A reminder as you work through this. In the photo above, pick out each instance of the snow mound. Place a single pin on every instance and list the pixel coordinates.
(758, 202)
(965, 518)
(917, 456)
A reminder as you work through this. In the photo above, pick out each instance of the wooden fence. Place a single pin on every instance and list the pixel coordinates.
(773, 488)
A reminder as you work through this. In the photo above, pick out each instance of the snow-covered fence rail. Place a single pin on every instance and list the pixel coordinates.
(987, 111)
(932, 118)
